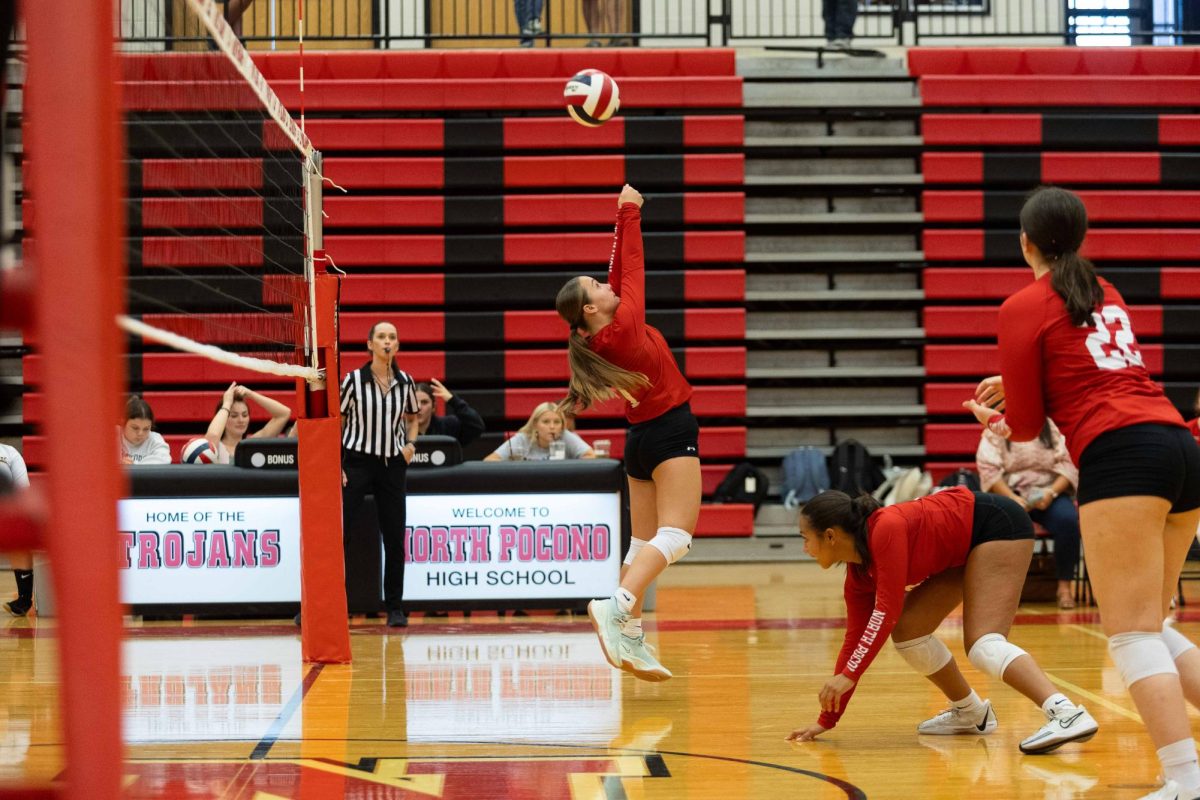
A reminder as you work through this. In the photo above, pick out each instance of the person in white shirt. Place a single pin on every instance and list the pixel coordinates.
(14, 477)
(140, 444)
(532, 442)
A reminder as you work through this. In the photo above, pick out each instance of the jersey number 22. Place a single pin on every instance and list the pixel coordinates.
(1113, 349)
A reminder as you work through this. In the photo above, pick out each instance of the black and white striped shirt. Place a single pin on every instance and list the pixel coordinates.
(372, 421)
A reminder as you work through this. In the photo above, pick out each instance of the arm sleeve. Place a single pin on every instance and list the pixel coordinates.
(504, 451)
(470, 424)
(410, 397)
(19, 473)
(347, 393)
(1021, 369)
(159, 453)
(628, 278)
(867, 627)
(989, 461)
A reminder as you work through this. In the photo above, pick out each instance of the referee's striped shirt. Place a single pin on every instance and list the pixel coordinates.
(373, 422)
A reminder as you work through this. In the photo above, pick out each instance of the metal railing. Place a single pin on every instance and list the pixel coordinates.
(271, 24)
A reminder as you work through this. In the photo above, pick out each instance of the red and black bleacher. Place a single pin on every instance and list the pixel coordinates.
(471, 199)
(998, 122)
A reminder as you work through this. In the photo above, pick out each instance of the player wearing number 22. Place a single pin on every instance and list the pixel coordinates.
(1067, 351)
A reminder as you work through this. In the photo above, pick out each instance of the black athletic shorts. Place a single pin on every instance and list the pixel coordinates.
(1142, 461)
(998, 519)
(669, 435)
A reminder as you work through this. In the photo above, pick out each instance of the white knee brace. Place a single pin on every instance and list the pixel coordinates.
(1139, 655)
(991, 655)
(635, 547)
(926, 655)
(673, 543)
(1177, 643)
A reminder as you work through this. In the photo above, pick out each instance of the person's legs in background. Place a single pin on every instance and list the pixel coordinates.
(22, 567)
(390, 501)
(1061, 518)
(839, 18)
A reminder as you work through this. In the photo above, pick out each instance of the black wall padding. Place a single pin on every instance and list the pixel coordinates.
(474, 212)
(473, 135)
(481, 250)
(1181, 361)
(1139, 285)
(1022, 169)
(654, 132)
(1002, 206)
(1068, 130)
(648, 172)
(474, 173)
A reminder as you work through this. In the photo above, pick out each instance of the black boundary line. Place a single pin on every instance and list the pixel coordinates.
(272, 735)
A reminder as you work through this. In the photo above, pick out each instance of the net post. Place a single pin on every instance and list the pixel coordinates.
(76, 180)
(324, 635)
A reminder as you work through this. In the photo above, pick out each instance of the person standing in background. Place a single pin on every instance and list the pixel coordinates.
(839, 23)
(529, 19)
(379, 425)
(15, 477)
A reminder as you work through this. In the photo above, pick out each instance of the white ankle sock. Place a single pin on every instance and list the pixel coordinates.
(632, 628)
(1055, 704)
(626, 600)
(1180, 764)
(969, 703)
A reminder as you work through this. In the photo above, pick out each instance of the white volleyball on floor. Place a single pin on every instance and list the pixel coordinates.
(198, 451)
(592, 97)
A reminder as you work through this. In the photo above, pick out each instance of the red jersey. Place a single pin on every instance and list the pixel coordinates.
(628, 341)
(1194, 427)
(909, 543)
(1088, 379)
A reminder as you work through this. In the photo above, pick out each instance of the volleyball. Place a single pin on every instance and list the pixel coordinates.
(592, 97)
(197, 451)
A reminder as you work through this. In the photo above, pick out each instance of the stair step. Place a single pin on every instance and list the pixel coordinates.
(915, 179)
(835, 333)
(835, 296)
(836, 218)
(903, 256)
(834, 141)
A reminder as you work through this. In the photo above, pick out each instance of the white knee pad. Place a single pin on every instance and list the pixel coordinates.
(1140, 654)
(926, 655)
(991, 655)
(673, 543)
(635, 547)
(1177, 643)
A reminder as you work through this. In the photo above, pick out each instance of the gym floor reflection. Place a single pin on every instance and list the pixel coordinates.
(488, 707)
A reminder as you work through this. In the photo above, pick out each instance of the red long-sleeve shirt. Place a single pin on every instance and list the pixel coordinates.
(1089, 379)
(628, 341)
(909, 542)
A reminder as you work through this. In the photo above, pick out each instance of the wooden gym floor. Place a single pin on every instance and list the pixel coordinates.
(527, 708)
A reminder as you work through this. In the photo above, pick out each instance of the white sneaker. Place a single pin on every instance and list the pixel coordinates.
(637, 658)
(1074, 725)
(954, 721)
(607, 619)
(1170, 791)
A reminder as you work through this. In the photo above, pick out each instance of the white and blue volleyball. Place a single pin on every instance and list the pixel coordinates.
(592, 97)
(198, 451)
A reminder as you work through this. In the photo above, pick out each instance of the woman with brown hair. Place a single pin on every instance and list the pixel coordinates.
(613, 353)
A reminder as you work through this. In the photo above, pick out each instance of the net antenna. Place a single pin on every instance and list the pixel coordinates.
(238, 265)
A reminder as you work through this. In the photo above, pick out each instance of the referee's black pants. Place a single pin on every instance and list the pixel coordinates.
(386, 480)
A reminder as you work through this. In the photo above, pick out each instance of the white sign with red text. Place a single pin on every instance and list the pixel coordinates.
(209, 550)
(498, 546)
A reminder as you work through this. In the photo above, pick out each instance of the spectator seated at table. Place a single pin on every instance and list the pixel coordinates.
(545, 429)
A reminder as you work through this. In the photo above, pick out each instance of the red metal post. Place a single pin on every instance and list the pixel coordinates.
(75, 155)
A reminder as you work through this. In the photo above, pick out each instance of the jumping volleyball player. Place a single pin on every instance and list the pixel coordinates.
(1067, 351)
(955, 546)
(613, 352)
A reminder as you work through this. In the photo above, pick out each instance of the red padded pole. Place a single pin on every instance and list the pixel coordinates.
(75, 155)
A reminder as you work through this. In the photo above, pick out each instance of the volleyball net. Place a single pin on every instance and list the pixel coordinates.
(223, 207)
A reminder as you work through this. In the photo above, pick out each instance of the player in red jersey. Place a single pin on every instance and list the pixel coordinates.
(1067, 351)
(956, 546)
(613, 352)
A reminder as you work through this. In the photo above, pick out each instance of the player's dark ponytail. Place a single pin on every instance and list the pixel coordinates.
(834, 509)
(1055, 220)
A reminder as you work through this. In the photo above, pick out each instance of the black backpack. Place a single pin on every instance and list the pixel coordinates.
(744, 483)
(851, 469)
(962, 477)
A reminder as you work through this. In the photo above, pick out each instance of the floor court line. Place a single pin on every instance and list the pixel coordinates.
(285, 714)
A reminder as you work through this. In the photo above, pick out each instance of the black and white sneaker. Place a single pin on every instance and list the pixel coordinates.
(956, 721)
(1072, 725)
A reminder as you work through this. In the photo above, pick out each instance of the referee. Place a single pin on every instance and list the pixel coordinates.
(379, 426)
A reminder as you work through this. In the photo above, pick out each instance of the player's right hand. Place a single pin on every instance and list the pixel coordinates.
(629, 195)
